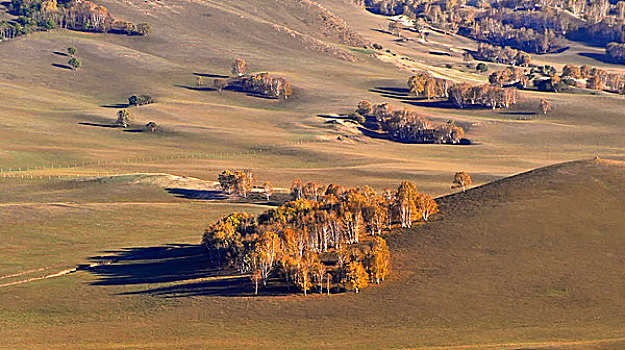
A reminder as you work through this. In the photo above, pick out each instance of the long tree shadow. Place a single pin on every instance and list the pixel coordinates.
(211, 75)
(258, 198)
(168, 263)
(100, 125)
(234, 88)
(197, 194)
(184, 264)
(59, 53)
(62, 66)
(601, 57)
(116, 105)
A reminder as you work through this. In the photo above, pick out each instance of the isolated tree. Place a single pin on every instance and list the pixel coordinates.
(151, 126)
(268, 190)
(545, 106)
(220, 84)
(74, 63)
(395, 28)
(199, 81)
(256, 277)
(71, 50)
(239, 67)
(123, 118)
(481, 67)
(144, 29)
(461, 179)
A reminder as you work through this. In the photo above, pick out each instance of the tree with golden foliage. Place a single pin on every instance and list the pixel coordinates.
(545, 106)
(406, 197)
(378, 260)
(256, 278)
(124, 117)
(268, 190)
(226, 181)
(297, 189)
(594, 83)
(239, 67)
(426, 206)
(244, 182)
(461, 179)
(356, 276)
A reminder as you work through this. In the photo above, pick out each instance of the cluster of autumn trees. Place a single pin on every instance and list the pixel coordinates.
(406, 125)
(261, 83)
(462, 94)
(505, 55)
(240, 182)
(531, 26)
(327, 237)
(82, 15)
(581, 76)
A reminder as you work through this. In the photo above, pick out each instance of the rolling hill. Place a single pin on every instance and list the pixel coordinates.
(531, 261)
(526, 261)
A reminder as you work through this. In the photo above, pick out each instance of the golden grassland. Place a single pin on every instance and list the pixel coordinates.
(532, 261)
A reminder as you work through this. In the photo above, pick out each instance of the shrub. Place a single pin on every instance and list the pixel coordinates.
(139, 100)
(481, 67)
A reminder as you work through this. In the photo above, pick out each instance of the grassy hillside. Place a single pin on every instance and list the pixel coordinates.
(527, 262)
(68, 113)
(532, 261)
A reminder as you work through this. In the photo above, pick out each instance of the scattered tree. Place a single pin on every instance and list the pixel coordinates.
(151, 126)
(124, 117)
(74, 63)
(461, 179)
(268, 190)
(220, 84)
(239, 67)
(71, 50)
(545, 106)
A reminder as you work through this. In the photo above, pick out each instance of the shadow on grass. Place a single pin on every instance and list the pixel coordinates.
(257, 198)
(59, 53)
(100, 125)
(198, 194)
(601, 57)
(211, 75)
(518, 113)
(116, 105)
(196, 88)
(185, 264)
(229, 88)
(134, 130)
(63, 66)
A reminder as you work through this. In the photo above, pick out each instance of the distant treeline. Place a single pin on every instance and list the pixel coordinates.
(531, 26)
(406, 125)
(84, 15)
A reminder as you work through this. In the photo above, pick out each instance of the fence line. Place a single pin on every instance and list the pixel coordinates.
(19, 172)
